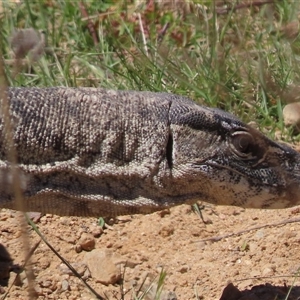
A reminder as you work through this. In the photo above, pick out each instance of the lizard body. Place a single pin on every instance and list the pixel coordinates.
(95, 152)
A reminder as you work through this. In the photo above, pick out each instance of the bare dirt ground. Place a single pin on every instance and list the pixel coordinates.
(259, 263)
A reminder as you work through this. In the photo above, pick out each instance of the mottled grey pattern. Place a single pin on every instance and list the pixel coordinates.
(95, 152)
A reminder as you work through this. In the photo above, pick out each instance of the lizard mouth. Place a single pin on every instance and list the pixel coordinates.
(265, 188)
(258, 177)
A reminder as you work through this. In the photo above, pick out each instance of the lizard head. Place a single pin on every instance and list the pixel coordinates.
(227, 162)
(256, 172)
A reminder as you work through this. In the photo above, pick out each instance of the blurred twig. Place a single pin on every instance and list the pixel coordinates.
(90, 24)
(228, 8)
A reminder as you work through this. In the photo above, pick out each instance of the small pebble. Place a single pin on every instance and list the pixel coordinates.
(87, 241)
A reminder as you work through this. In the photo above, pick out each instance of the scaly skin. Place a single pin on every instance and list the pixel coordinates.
(92, 152)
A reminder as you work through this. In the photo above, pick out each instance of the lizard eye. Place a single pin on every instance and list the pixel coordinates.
(242, 143)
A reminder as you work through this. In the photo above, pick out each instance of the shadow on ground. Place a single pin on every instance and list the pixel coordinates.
(261, 292)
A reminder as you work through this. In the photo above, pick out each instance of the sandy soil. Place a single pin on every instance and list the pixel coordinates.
(259, 263)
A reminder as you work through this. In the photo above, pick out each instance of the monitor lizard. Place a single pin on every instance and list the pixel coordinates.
(97, 152)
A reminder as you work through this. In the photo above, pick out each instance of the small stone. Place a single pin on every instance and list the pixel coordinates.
(195, 232)
(65, 285)
(78, 248)
(291, 115)
(109, 245)
(208, 221)
(80, 268)
(117, 245)
(45, 283)
(102, 267)
(248, 262)
(87, 241)
(267, 272)
(64, 221)
(183, 269)
(166, 231)
(238, 210)
(87, 274)
(44, 262)
(163, 212)
(201, 245)
(96, 231)
(260, 234)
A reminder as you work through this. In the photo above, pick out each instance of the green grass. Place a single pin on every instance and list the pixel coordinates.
(243, 61)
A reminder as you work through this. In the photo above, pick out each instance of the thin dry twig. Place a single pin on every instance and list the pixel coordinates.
(90, 24)
(143, 34)
(16, 182)
(63, 260)
(27, 258)
(220, 237)
(228, 8)
(162, 33)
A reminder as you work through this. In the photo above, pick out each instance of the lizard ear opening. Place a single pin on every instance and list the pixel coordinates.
(169, 151)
